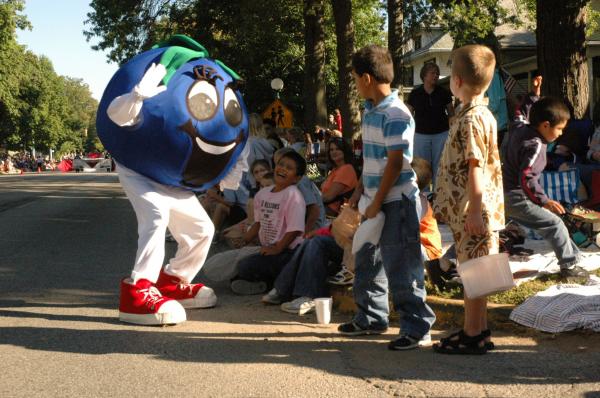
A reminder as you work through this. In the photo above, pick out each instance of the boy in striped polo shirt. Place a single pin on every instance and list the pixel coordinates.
(389, 183)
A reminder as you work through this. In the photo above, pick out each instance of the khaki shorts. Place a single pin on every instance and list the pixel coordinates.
(475, 246)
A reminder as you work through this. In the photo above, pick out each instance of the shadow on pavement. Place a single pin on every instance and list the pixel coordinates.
(358, 357)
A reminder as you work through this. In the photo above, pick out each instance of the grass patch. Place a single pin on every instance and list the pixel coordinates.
(514, 296)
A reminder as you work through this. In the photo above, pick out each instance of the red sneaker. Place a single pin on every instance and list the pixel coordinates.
(143, 304)
(189, 295)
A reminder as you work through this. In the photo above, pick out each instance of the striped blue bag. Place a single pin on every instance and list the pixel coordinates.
(561, 185)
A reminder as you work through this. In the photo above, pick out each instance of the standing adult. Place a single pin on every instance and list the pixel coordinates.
(337, 117)
(431, 106)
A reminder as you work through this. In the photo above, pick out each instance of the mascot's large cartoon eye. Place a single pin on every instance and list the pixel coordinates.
(202, 100)
(232, 108)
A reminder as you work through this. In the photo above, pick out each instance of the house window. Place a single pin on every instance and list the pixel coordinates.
(430, 61)
(408, 76)
(417, 42)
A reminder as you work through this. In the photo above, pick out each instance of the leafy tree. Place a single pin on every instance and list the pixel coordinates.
(529, 7)
(10, 64)
(474, 21)
(260, 40)
(40, 122)
(37, 107)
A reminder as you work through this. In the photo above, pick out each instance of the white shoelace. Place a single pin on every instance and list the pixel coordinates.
(186, 286)
(151, 296)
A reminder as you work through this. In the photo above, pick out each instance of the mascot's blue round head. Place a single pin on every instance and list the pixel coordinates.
(189, 134)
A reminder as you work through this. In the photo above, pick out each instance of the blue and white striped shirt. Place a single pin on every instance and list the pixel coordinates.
(388, 126)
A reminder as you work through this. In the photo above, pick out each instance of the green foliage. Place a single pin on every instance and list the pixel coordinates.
(68, 147)
(593, 15)
(37, 107)
(10, 20)
(418, 15)
(473, 21)
(260, 40)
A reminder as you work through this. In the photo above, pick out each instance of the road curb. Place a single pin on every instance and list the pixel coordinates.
(449, 312)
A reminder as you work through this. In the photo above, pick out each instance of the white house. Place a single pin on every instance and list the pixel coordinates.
(518, 51)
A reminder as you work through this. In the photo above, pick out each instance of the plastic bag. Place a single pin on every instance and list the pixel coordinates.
(345, 225)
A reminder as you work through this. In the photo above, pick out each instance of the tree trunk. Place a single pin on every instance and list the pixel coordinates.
(561, 52)
(348, 101)
(394, 9)
(315, 105)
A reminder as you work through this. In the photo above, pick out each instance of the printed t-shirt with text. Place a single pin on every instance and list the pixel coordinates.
(279, 213)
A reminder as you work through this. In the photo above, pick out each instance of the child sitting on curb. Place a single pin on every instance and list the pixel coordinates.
(279, 224)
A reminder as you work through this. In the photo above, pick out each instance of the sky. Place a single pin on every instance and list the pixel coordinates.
(58, 34)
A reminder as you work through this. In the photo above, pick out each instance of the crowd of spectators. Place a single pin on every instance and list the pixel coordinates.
(23, 162)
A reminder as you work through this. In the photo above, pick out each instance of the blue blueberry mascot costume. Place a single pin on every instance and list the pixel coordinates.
(174, 121)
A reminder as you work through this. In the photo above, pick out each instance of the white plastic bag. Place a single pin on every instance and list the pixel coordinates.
(369, 230)
(486, 275)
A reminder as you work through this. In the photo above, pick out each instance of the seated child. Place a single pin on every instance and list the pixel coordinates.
(524, 199)
(315, 209)
(431, 240)
(223, 266)
(279, 212)
(259, 169)
(304, 276)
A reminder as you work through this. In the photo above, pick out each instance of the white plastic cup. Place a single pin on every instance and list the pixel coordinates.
(323, 306)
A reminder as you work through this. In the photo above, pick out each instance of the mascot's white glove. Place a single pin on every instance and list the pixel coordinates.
(233, 178)
(125, 109)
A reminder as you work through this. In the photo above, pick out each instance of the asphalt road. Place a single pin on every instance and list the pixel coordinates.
(67, 239)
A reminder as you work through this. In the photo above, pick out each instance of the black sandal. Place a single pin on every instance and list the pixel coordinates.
(489, 345)
(446, 340)
(464, 345)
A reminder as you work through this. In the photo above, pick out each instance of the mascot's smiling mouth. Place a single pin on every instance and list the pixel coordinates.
(208, 158)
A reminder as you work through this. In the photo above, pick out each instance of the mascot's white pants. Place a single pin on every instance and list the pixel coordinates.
(157, 207)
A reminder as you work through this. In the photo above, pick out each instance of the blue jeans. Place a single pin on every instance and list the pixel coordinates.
(257, 267)
(430, 147)
(305, 275)
(395, 265)
(519, 208)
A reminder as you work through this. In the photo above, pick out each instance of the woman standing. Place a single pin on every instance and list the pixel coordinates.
(431, 106)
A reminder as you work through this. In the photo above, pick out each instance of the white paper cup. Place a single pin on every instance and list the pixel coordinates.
(323, 307)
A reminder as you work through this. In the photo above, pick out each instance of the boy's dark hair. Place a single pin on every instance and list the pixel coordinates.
(427, 67)
(374, 60)
(548, 109)
(298, 159)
